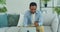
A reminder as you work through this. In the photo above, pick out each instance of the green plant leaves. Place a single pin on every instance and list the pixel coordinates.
(2, 1)
(4, 9)
(45, 1)
(57, 9)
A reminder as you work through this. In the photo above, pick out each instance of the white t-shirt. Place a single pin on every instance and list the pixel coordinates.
(33, 19)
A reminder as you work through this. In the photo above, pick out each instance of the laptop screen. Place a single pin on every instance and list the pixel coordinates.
(28, 29)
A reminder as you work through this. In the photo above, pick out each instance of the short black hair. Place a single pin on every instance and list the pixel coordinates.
(33, 4)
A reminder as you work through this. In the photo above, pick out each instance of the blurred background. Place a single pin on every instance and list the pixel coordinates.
(12, 10)
(14, 7)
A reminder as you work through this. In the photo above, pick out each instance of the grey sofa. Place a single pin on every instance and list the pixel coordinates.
(50, 23)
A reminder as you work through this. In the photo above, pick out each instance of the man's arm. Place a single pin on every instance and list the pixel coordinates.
(39, 23)
(40, 19)
(25, 20)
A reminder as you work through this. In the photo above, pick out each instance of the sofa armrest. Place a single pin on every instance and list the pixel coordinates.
(55, 23)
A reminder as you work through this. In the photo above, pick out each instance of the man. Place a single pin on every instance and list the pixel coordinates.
(33, 17)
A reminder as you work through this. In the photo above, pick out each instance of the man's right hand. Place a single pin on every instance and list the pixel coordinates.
(36, 24)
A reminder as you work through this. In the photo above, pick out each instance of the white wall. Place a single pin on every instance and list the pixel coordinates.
(58, 2)
(19, 6)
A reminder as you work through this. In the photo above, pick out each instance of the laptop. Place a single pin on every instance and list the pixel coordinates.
(28, 29)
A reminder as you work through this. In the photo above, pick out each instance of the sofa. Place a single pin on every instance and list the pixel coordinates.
(59, 24)
(50, 23)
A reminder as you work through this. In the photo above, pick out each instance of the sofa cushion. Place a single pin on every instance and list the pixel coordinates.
(47, 29)
(47, 18)
(3, 20)
(13, 19)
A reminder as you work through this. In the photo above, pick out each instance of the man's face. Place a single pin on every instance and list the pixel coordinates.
(33, 8)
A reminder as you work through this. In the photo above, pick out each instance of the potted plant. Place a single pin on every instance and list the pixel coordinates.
(57, 9)
(3, 9)
(2, 1)
(45, 2)
(2, 6)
